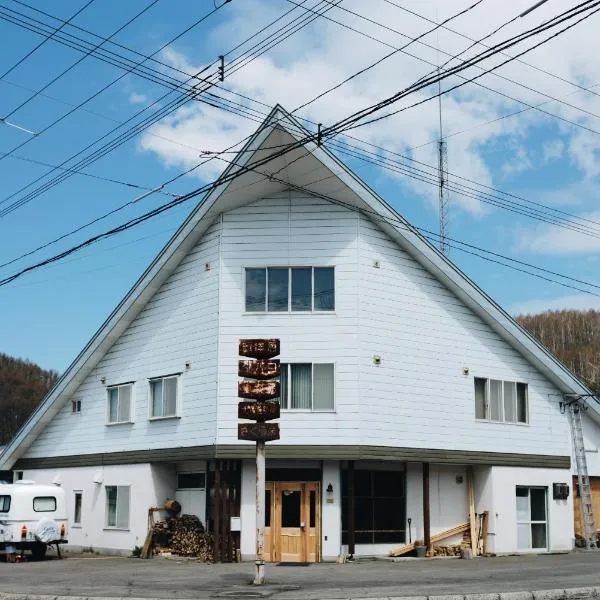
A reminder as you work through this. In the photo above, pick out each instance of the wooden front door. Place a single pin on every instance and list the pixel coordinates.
(294, 525)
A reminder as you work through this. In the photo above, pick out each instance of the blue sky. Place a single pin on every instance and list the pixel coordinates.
(553, 159)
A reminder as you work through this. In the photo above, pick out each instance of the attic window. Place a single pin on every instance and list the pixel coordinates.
(290, 289)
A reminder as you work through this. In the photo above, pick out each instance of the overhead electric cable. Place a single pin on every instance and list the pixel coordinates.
(48, 37)
(163, 111)
(81, 59)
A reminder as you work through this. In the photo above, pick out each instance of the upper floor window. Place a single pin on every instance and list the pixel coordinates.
(164, 394)
(307, 386)
(118, 408)
(75, 406)
(284, 289)
(501, 401)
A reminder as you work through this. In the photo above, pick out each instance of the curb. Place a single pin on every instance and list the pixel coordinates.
(556, 594)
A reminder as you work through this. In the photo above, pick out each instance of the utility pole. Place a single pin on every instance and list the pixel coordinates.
(442, 180)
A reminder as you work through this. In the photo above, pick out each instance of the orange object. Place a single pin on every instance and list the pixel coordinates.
(62, 530)
(23, 532)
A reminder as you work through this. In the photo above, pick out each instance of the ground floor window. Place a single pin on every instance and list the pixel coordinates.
(78, 497)
(532, 520)
(379, 507)
(117, 506)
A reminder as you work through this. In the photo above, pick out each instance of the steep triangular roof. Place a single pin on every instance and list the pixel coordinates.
(264, 169)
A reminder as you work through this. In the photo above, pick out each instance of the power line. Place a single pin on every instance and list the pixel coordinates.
(473, 80)
(81, 59)
(471, 62)
(163, 111)
(48, 37)
(480, 42)
(226, 177)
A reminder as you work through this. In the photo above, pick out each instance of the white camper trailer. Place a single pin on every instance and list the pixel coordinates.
(32, 517)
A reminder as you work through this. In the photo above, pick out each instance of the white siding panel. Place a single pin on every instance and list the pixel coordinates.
(179, 324)
(299, 232)
(418, 395)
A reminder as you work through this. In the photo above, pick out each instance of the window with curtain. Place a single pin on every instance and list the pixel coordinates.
(163, 397)
(118, 409)
(501, 401)
(307, 386)
(117, 506)
(290, 289)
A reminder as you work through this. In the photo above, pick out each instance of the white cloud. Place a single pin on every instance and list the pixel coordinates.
(323, 54)
(136, 98)
(539, 305)
(552, 150)
(552, 240)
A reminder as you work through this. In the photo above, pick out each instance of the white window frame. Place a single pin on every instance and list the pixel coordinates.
(488, 418)
(116, 526)
(312, 387)
(178, 398)
(76, 406)
(118, 386)
(289, 308)
(529, 521)
(75, 494)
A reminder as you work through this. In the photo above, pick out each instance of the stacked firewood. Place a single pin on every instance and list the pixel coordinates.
(183, 536)
(447, 550)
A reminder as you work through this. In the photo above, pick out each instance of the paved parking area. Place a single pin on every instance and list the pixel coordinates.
(169, 578)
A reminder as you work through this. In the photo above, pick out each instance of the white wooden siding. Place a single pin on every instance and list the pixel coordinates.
(179, 324)
(292, 231)
(425, 336)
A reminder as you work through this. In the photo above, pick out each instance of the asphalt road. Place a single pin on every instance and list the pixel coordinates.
(170, 578)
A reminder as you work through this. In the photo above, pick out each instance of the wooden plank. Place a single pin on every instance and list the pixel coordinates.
(471, 505)
(217, 512)
(437, 537)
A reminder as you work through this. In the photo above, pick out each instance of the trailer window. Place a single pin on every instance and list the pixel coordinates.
(44, 504)
(4, 503)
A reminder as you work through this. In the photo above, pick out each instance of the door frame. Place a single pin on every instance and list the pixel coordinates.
(273, 533)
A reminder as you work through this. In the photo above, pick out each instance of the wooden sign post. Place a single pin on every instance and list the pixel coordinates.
(260, 389)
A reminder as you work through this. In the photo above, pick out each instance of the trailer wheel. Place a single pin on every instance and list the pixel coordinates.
(38, 551)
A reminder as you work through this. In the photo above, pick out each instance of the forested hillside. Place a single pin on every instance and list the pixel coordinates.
(573, 336)
(22, 385)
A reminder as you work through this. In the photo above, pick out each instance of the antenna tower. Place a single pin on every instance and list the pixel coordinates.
(443, 180)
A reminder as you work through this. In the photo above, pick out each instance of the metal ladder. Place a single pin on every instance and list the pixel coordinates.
(576, 410)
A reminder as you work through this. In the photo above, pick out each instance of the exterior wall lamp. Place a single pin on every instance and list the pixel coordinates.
(329, 489)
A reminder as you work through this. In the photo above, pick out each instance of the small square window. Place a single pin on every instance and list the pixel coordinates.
(118, 408)
(164, 397)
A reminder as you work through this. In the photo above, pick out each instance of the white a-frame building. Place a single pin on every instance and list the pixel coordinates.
(397, 370)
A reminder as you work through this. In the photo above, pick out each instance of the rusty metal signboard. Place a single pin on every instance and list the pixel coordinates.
(259, 369)
(263, 349)
(258, 411)
(258, 432)
(260, 388)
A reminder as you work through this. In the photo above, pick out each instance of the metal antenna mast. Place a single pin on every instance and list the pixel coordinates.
(443, 180)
